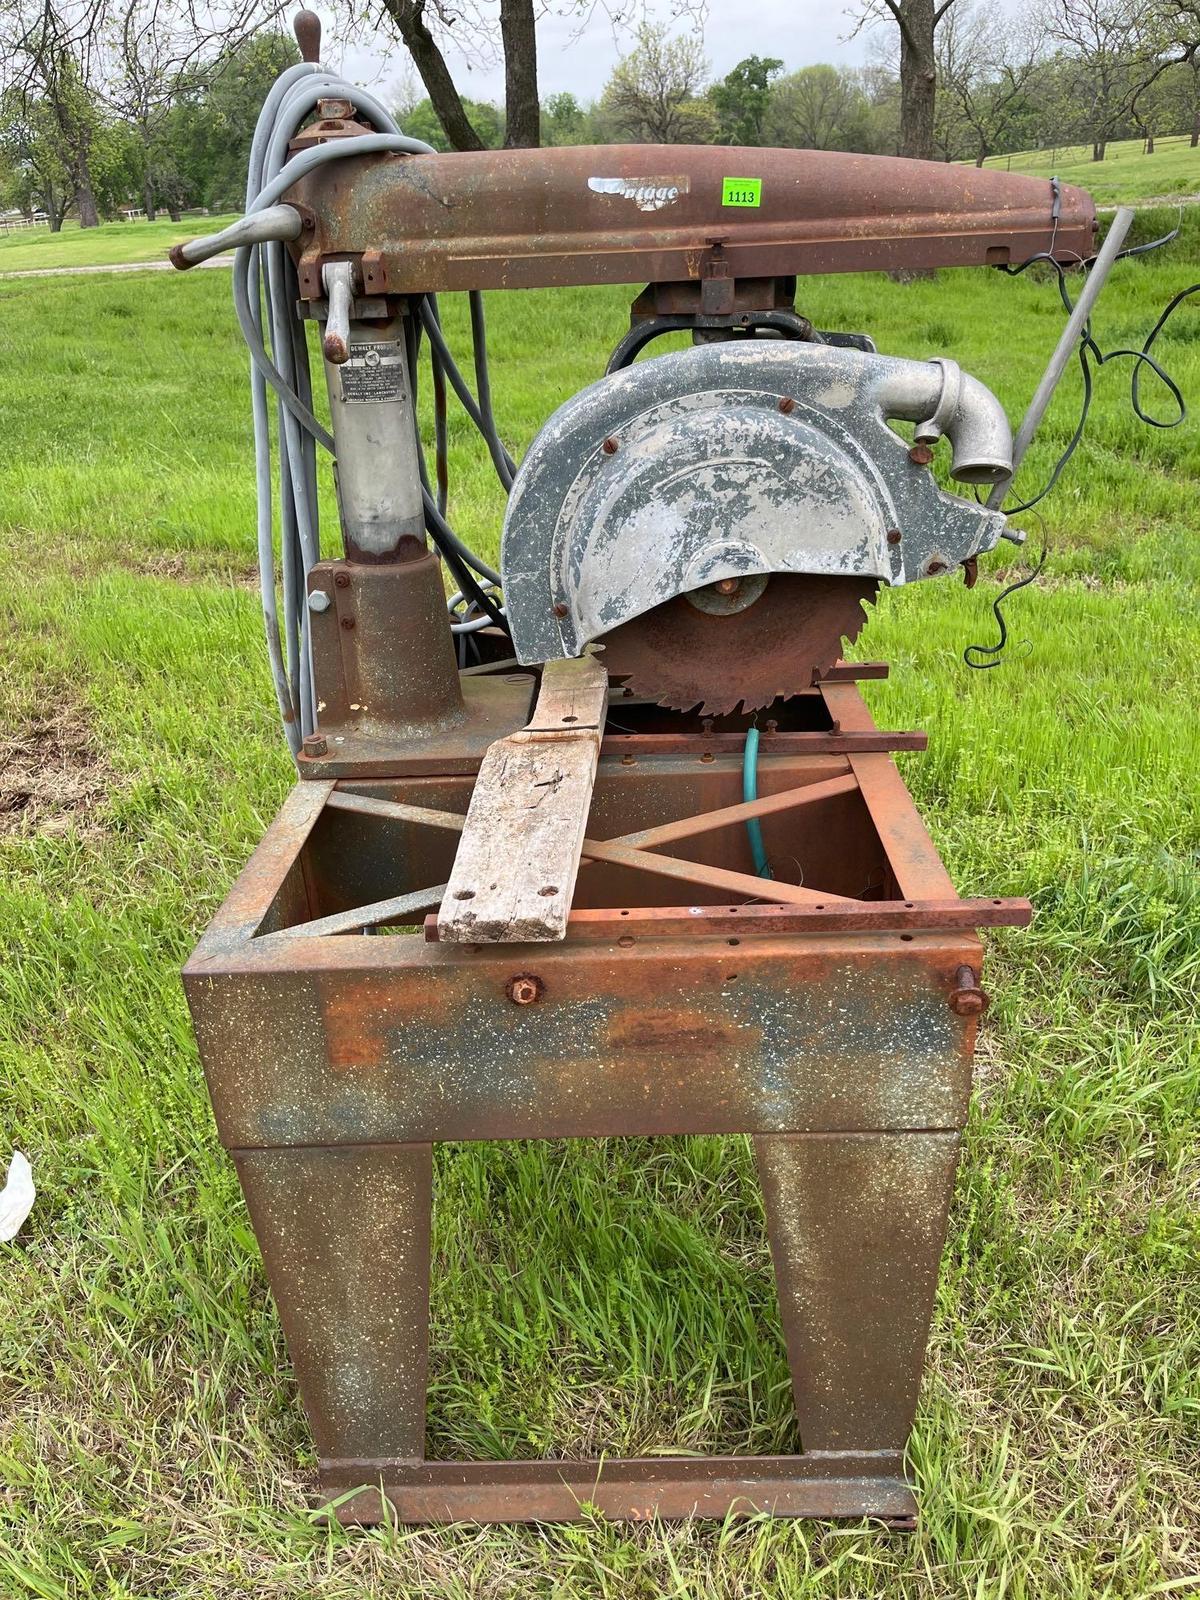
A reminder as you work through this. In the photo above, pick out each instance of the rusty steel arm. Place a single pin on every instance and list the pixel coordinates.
(659, 214)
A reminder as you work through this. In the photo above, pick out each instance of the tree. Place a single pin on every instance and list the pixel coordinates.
(421, 122)
(881, 94)
(1171, 40)
(819, 108)
(209, 128)
(39, 180)
(1106, 49)
(158, 51)
(986, 66)
(564, 120)
(416, 22)
(742, 99)
(917, 21)
(652, 96)
(47, 51)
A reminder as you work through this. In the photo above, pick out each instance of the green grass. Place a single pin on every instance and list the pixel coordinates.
(1126, 173)
(110, 243)
(151, 1442)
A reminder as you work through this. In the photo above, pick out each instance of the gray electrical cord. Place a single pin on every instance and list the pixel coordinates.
(265, 292)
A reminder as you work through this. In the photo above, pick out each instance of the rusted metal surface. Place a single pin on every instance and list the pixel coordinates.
(822, 1484)
(787, 637)
(867, 916)
(654, 214)
(836, 742)
(375, 703)
(366, 687)
(378, 704)
(836, 1033)
(857, 1279)
(312, 1041)
(307, 28)
(967, 999)
(334, 1226)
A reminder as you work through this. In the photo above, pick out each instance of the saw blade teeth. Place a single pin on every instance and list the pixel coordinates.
(690, 661)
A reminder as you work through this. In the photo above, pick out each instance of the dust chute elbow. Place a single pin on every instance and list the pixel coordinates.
(943, 399)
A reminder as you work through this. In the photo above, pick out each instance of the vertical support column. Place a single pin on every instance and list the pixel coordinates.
(856, 1223)
(345, 1239)
(377, 465)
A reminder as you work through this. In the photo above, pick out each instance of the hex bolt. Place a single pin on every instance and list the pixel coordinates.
(524, 989)
(319, 601)
(787, 405)
(315, 745)
(967, 999)
(342, 580)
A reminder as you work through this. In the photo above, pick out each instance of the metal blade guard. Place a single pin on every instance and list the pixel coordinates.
(735, 461)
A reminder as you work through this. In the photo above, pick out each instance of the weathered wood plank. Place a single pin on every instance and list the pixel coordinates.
(574, 694)
(514, 874)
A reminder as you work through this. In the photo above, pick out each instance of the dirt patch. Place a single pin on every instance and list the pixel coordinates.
(52, 776)
(192, 567)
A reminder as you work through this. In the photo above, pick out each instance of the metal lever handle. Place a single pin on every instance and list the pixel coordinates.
(339, 291)
(306, 25)
(279, 222)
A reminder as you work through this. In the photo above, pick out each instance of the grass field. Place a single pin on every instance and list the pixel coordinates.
(151, 1442)
(110, 242)
(1125, 174)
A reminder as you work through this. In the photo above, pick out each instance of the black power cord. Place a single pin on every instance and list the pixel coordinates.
(1089, 348)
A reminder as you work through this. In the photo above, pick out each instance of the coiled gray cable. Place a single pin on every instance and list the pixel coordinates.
(265, 291)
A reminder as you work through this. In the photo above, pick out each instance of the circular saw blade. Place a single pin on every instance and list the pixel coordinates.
(684, 657)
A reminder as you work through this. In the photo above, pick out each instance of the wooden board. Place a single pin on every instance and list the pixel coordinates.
(514, 875)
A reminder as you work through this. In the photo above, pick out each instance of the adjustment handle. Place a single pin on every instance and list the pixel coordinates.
(306, 25)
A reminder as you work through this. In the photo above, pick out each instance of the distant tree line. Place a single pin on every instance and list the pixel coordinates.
(981, 82)
(112, 104)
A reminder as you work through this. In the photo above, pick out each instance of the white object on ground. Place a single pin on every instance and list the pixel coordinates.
(16, 1197)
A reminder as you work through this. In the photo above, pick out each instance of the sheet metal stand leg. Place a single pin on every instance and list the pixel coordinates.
(345, 1236)
(856, 1223)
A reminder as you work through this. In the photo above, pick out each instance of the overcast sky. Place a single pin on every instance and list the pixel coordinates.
(799, 32)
